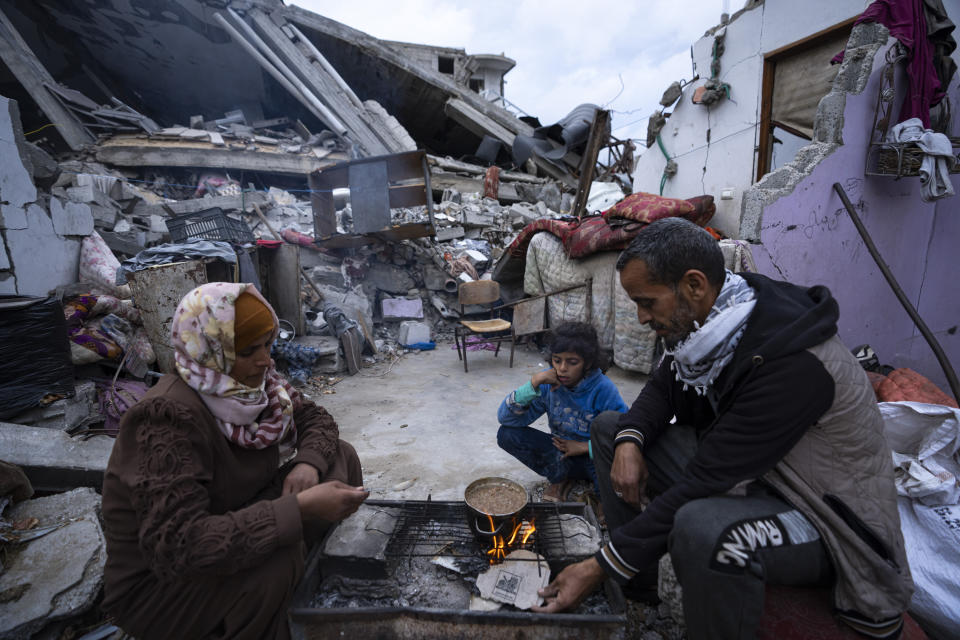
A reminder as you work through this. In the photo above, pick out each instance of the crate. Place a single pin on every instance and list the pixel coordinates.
(210, 224)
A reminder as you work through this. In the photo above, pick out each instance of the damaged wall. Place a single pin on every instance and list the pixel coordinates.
(807, 237)
(715, 147)
(40, 240)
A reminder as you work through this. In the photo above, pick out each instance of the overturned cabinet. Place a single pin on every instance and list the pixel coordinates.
(376, 186)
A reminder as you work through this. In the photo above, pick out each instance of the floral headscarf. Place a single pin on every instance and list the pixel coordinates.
(202, 335)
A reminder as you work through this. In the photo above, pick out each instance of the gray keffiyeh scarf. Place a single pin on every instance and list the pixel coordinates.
(703, 354)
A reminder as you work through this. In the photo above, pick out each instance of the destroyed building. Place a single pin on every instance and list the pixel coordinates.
(787, 125)
(361, 182)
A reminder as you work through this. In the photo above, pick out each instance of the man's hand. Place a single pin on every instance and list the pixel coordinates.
(301, 477)
(571, 586)
(571, 447)
(628, 474)
(331, 501)
(545, 377)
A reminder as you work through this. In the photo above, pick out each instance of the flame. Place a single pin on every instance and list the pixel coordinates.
(530, 530)
(492, 527)
(501, 544)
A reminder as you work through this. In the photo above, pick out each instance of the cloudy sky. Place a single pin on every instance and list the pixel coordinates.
(617, 54)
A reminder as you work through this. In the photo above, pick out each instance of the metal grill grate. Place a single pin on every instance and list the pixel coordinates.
(427, 528)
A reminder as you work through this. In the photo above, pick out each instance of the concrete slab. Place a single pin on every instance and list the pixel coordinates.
(52, 460)
(41, 259)
(58, 575)
(71, 218)
(423, 418)
(16, 187)
(401, 308)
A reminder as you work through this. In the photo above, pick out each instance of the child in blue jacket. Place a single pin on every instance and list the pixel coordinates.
(571, 393)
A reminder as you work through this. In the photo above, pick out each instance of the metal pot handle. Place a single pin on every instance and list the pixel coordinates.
(477, 530)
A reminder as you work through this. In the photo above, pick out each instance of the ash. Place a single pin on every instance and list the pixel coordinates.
(419, 582)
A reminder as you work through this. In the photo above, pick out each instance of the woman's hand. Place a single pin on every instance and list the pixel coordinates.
(571, 448)
(331, 501)
(301, 477)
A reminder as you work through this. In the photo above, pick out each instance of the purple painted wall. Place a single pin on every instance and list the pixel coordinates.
(808, 238)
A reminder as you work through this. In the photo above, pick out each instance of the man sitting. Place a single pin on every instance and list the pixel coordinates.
(775, 469)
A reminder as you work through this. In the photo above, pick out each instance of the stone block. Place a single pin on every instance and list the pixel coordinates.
(357, 546)
(401, 308)
(326, 273)
(434, 279)
(71, 219)
(477, 218)
(16, 187)
(412, 332)
(52, 460)
(58, 575)
(89, 193)
(389, 278)
(12, 216)
(41, 259)
(105, 217)
(449, 233)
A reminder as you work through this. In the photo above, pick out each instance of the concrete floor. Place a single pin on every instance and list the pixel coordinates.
(423, 427)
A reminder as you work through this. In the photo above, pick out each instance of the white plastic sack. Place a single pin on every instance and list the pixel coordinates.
(925, 439)
(603, 195)
(932, 537)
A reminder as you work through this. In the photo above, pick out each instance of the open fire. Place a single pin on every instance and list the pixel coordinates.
(519, 536)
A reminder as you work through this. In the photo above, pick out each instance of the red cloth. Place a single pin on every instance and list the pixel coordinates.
(295, 237)
(595, 234)
(269, 244)
(491, 183)
(795, 613)
(647, 208)
(908, 385)
(703, 210)
(559, 228)
(907, 23)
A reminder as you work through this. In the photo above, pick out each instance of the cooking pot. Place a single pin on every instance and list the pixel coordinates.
(493, 500)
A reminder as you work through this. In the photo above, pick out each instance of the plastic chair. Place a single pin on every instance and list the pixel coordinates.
(486, 293)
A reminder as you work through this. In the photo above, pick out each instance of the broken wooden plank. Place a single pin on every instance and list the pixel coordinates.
(239, 202)
(31, 73)
(599, 133)
(136, 152)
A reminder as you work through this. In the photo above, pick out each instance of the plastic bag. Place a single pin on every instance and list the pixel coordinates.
(925, 439)
(932, 537)
(35, 354)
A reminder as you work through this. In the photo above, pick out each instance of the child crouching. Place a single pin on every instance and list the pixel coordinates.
(572, 392)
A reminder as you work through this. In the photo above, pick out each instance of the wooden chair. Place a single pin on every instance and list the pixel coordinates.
(481, 292)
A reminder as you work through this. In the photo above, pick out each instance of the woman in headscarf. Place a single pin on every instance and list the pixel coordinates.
(204, 530)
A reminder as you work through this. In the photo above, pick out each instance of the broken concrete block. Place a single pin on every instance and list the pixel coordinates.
(402, 308)
(449, 233)
(44, 169)
(357, 546)
(4, 260)
(440, 305)
(89, 193)
(412, 332)
(105, 217)
(74, 219)
(326, 273)
(433, 278)
(42, 259)
(52, 460)
(57, 575)
(67, 413)
(389, 278)
(328, 348)
(477, 218)
(475, 257)
(12, 217)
